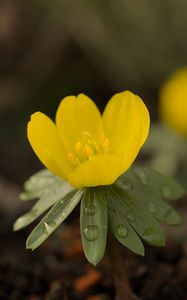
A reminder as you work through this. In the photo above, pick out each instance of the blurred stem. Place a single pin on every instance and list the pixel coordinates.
(121, 281)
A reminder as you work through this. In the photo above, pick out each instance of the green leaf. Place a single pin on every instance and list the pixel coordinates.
(148, 194)
(164, 186)
(119, 225)
(57, 214)
(56, 192)
(38, 184)
(140, 218)
(93, 223)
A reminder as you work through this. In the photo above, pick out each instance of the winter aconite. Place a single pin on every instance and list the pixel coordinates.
(85, 148)
(88, 157)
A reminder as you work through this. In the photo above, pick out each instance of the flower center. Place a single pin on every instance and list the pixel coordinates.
(86, 147)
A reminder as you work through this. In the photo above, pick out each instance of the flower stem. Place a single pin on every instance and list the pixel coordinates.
(123, 289)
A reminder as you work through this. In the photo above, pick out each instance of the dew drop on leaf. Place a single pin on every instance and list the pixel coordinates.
(131, 217)
(141, 176)
(91, 232)
(90, 210)
(167, 213)
(148, 232)
(47, 228)
(127, 186)
(166, 191)
(63, 214)
(151, 207)
(122, 231)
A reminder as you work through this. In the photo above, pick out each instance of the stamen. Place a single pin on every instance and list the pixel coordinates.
(105, 145)
(96, 146)
(70, 156)
(78, 162)
(86, 147)
(88, 151)
(79, 147)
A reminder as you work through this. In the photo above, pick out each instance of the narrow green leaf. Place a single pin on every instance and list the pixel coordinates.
(57, 214)
(119, 225)
(93, 223)
(38, 184)
(38, 180)
(147, 196)
(56, 193)
(140, 219)
(164, 186)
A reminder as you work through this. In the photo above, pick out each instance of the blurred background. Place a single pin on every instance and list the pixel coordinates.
(51, 49)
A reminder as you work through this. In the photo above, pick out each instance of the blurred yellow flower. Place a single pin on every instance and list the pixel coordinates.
(173, 101)
(88, 149)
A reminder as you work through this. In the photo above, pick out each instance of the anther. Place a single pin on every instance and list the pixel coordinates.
(105, 145)
(70, 157)
(79, 148)
(88, 151)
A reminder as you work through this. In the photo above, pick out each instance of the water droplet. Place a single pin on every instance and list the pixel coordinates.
(168, 213)
(122, 231)
(63, 214)
(131, 217)
(91, 232)
(151, 207)
(90, 210)
(125, 185)
(141, 175)
(166, 191)
(47, 228)
(148, 232)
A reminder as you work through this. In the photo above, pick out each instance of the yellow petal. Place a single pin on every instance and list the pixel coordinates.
(173, 101)
(44, 139)
(76, 115)
(126, 123)
(100, 170)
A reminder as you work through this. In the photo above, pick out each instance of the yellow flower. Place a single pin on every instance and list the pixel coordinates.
(85, 148)
(173, 101)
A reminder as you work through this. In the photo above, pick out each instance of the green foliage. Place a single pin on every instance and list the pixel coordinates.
(139, 218)
(93, 223)
(151, 190)
(49, 188)
(39, 184)
(57, 214)
(120, 226)
(131, 208)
